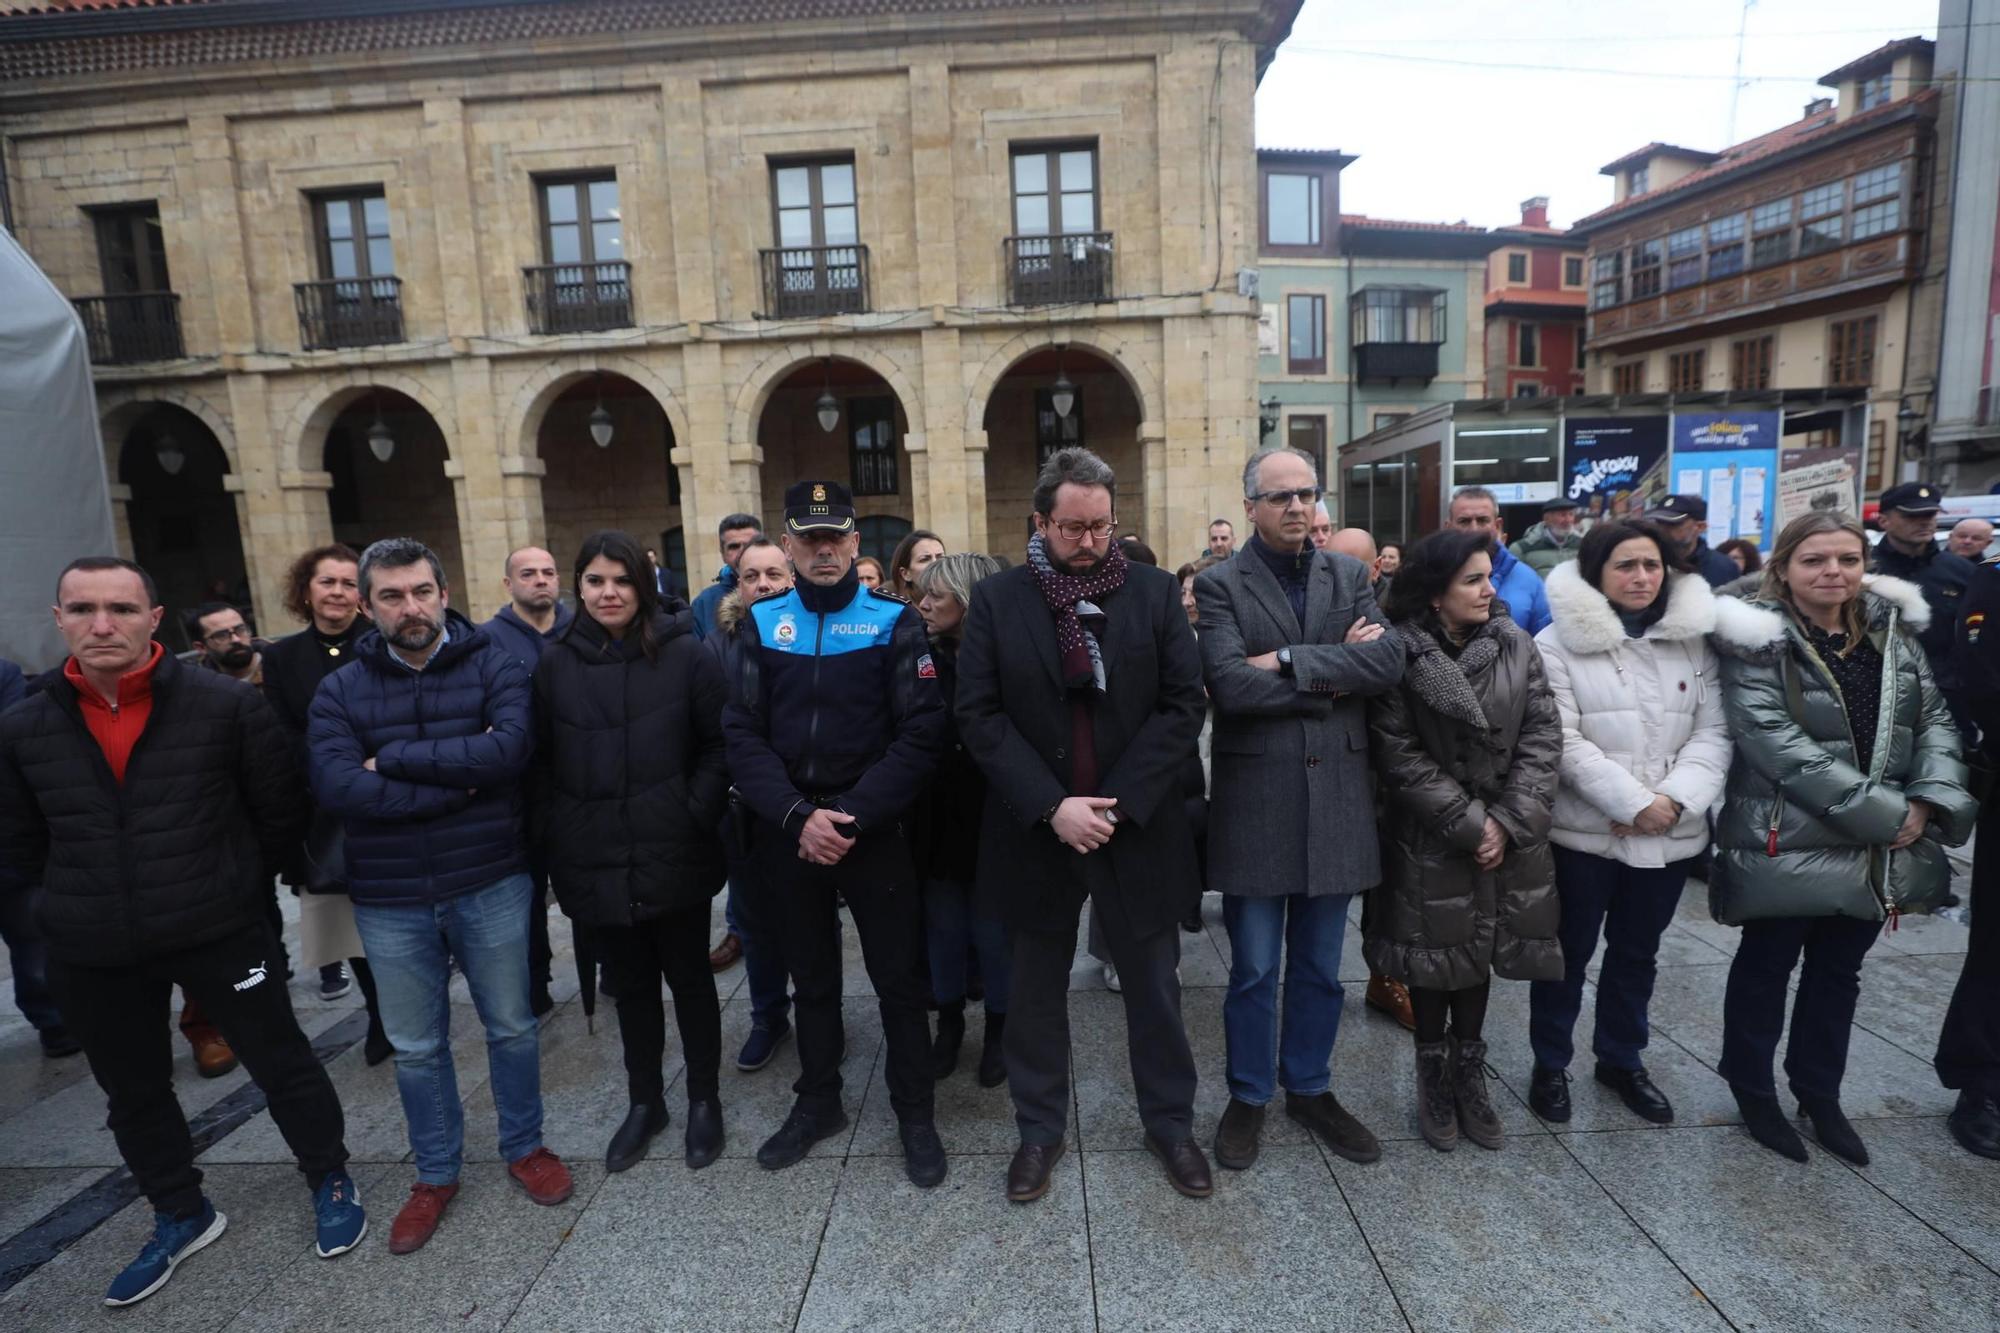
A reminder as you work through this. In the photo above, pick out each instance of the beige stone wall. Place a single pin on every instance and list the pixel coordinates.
(457, 148)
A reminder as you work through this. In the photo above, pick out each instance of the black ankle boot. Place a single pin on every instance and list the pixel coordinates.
(950, 1036)
(1831, 1128)
(992, 1060)
(704, 1132)
(628, 1145)
(1765, 1120)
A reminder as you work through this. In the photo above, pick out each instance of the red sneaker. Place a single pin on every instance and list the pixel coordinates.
(542, 1174)
(419, 1219)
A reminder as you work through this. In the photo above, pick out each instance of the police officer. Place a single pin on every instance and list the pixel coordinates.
(834, 723)
(1684, 519)
(1909, 550)
(1968, 1053)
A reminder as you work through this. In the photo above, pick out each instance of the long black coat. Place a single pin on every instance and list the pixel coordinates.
(1014, 717)
(183, 852)
(630, 774)
(944, 823)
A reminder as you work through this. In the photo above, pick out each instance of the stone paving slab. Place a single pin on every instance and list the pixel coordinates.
(28, 1194)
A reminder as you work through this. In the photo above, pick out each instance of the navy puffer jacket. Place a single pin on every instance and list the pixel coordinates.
(440, 814)
(182, 854)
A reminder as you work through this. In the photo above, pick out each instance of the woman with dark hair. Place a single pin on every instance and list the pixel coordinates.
(630, 783)
(1745, 553)
(1467, 747)
(912, 554)
(323, 591)
(1845, 788)
(1645, 751)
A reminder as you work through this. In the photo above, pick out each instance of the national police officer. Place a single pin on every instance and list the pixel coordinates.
(834, 722)
(1909, 550)
(1968, 1051)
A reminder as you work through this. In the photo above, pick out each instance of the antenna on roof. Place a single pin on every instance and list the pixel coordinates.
(1736, 88)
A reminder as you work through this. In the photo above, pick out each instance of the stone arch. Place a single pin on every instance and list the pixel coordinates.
(119, 409)
(775, 368)
(305, 430)
(548, 382)
(1129, 356)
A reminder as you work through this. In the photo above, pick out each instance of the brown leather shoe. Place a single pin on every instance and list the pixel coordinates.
(212, 1056)
(1392, 997)
(725, 955)
(419, 1218)
(1187, 1168)
(1028, 1173)
(1236, 1137)
(1336, 1128)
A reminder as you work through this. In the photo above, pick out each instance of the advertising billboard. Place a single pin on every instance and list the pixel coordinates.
(1730, 459)
(1614, 467)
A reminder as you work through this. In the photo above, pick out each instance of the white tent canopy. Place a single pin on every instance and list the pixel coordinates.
(55, 503)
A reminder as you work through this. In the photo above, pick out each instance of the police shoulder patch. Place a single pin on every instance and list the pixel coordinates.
(887, 596)
(926, 669)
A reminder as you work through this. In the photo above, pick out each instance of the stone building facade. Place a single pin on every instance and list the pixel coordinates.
(470, 236)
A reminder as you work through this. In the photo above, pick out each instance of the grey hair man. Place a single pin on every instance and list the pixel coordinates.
(1292, 646)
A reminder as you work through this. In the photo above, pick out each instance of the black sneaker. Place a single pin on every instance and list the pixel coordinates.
(795, 1138)
(923, 1154)
(333, 981)
(57, 1044)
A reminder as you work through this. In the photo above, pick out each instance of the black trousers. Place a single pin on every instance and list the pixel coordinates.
(1753, 1007)
(674, 946)
(540, 955)
(1037, 1037)
(1968, 1053)
(116, 1014)
(801, 909)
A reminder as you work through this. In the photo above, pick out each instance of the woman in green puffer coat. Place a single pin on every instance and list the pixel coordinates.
(1845, 787)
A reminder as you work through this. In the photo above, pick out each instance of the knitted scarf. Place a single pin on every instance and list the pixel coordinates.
(1082, 657)
(1444, 683)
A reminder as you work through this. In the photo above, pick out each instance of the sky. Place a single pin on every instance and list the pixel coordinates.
(1465, 109)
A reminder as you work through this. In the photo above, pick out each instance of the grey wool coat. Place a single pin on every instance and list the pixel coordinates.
(1291, 799)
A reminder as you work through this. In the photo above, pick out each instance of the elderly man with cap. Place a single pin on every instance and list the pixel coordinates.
(1909, 550)
(1684, 519)
(1553, 540)
(835, 721)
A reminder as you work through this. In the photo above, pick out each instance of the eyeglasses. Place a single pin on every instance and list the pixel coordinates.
(225, 635)
(1070, 530)
(1305, 495)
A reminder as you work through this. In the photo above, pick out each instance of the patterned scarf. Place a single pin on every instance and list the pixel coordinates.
(1082, 657)
(1444, 683)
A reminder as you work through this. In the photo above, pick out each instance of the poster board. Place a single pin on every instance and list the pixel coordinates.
(1614, 467)
(1730, 459)
(1810, 479)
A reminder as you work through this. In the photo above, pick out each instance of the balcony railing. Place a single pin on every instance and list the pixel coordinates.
(138, 326)
(1396, 361)
(813, 280)
(579, 298)
(1056, 270)
(349, 312)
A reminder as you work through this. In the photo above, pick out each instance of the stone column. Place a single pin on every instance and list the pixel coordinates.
(276, 521)
(213, 209)
(453, 222)
(498, 510)
(1153, 469)
(977, 537)
(939, 481)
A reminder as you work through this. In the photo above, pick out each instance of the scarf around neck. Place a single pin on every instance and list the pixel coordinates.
(1443, 682)
(1082, 656)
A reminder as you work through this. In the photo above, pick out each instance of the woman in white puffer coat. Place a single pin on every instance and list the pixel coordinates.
(1645, 753)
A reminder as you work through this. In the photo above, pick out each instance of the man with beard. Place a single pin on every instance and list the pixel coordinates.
(419, 747)
(225, 643)
(1080, 697)
(834, 723)
(533, 618)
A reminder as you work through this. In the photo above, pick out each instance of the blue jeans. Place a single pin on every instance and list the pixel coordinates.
(1309, 931)
(951, 922)
(409, 947)
(1633, 906)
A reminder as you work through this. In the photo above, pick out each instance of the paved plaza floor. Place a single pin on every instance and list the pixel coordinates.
(1604, 1223)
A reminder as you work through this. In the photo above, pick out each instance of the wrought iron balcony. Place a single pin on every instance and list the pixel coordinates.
(813, 280)
(579, 298)
(349, 312)
(1056, 270)
(137, 326)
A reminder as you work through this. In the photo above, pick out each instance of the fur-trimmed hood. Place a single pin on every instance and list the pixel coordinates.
(1586, 622)
(729, 611)
(1755, 630)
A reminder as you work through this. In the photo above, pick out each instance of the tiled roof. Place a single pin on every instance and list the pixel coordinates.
(1391, 224)
(1800, 133)
(1653, 149)
(275, 30)
(1879, 59)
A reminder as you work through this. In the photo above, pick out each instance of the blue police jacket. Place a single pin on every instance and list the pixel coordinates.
(833, 700)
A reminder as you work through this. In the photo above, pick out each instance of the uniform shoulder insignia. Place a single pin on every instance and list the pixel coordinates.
(887, 596)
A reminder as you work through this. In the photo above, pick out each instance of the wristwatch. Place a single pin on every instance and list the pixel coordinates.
(1284, 661)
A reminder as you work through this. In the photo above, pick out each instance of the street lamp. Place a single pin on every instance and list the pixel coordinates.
(1267, 416)
(380, 442)
(172, 457)
(1062, 394)
(827, 407)
(600, 420)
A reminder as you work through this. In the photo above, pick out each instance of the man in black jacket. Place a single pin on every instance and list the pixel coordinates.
(1080, 696)
(834, 723)
(155, 803)
(1909, 550)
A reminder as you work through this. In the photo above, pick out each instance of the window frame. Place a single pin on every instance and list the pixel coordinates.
(1051, 152)
(1751, 361)
(815, 199)
(1317, 420)
(1527, 268)
(135, 227)
(1069, 432)
(1582, 273)
(873, 410)
(1308, 365)
(1875, 91)
(356, 198)
(586, 222)
(1328, 221)
(1527, 346)
(1628, 377)
(1851, 349)
(1687, 370)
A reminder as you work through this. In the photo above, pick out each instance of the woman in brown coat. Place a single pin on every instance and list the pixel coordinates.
(1467, 751)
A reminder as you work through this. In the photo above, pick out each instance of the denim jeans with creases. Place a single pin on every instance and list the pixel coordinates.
(1309, 932)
